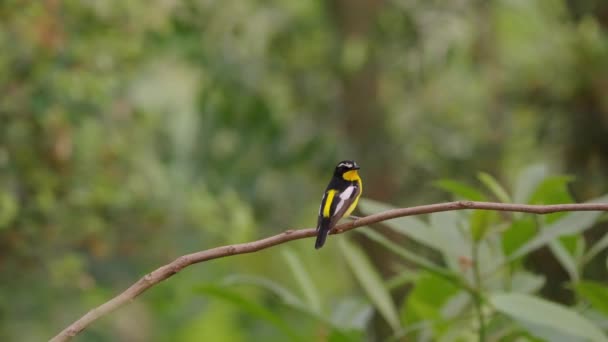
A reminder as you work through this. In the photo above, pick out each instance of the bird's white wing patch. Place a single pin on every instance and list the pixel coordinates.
(339, 205)
(345, 196)
(348, 193)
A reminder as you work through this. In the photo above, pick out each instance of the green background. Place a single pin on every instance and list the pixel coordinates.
(133, 132)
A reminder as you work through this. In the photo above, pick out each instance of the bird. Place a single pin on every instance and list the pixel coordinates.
(340, 198)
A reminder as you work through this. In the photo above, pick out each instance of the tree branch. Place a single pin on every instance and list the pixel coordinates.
(168, 270)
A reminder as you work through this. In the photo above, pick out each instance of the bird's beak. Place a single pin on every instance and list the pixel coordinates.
(356, 167)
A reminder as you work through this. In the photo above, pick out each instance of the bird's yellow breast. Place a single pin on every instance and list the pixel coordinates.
(352, 207)
(351, 176)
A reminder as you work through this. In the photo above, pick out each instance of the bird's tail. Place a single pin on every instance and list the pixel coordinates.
(322, 232)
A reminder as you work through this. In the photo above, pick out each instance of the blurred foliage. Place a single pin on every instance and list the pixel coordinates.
(135, 132)
(445, 285)
(456, 266)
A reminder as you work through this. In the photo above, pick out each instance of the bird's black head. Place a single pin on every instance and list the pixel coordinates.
(345, 166)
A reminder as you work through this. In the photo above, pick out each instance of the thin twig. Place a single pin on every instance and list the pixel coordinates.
(168, 270)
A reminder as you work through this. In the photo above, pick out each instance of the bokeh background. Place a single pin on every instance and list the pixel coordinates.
(132, 132)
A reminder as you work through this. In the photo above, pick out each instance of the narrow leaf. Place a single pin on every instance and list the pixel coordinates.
(249, 306)
(371, 282)
(536, 311)
(596, 248)
(460, 189)
(552, 190)
(572, 223)
(403, 252)
(492, 184)
(426, 300)
(303, 279)
(526, 282)
(287, 297)
(565, 259)
(407, 276)
(527, 181)
(352, 313)
(520, 232)
(412, 227)
(594, 293)
(292, 301)
(450, 239)
(479, 224)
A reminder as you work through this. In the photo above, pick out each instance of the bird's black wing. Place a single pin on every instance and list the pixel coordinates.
(335, 203)
(343, 201)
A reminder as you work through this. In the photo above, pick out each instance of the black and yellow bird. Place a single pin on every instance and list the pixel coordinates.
(340, 198)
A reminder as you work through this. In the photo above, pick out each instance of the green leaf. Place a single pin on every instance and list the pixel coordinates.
(595, 293)
(247, 305)
(340, 327)
(405, 277)
(565, 259)
(521, 231)
(526, 282)
(348, 336)
(352, 313)
(217, 322)
(527, 182)
(449, 237)
(403, 252)
(539, 312)
(479, 224)
(286, 296)
(371, 282)
(571, 243)
(426, 300)
(492, 184)
(412, 227)
(541, 333)
(303, 279)
(599, 246)
(9, 209)
(460, 189)
(552, 190)
(572, 223)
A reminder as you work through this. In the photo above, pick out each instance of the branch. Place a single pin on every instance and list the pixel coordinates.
(168, 270)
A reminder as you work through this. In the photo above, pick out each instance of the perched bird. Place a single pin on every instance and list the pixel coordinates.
(340, 198)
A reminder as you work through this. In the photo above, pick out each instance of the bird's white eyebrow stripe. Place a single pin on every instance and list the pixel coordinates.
(345, 164)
